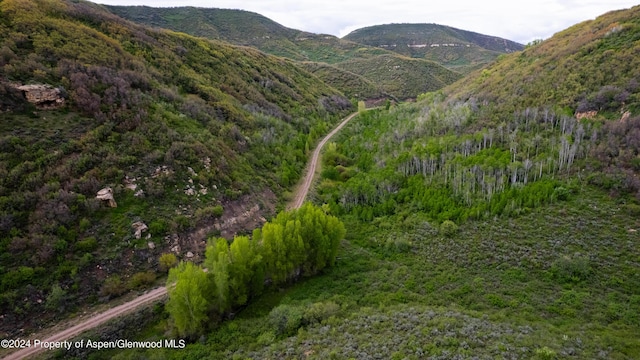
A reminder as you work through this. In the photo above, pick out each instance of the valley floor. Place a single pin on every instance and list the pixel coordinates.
(559, 282)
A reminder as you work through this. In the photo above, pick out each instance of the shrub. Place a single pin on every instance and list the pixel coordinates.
(141, 279)
(209, 213)
(561, 193)
(15, 278)
(266, 338)
(286, 319)
(87, 245)
(545, 353)
(167, 261)
(182, 222)
(318, 312)
(571, 270)
(56, 298)
(112, 287)
(158, 227)
(400, 245)
(448, 228)
(84, 224)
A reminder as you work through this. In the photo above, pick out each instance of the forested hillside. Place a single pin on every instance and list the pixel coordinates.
(186, 134)
(250, 29)
(456, 49)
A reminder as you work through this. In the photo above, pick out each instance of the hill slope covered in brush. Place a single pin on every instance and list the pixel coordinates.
(189, 134)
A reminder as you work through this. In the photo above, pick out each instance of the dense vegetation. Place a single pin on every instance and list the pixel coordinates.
(361, 62)
(294, 244)
(456, 49)
(184, 131)
(480, 224)
(497, 218)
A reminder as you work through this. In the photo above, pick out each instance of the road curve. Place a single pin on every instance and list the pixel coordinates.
(302, 191)
(159, 293)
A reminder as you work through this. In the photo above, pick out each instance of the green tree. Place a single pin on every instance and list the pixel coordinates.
(243, 268)
(275, 253)
(188, 305)
(217, 261)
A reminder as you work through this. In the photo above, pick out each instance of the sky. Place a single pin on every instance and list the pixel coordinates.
(517, 20)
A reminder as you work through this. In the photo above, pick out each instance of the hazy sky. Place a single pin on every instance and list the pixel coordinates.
(517, 20)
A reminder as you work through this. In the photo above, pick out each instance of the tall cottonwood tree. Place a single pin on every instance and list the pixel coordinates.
(188, 304)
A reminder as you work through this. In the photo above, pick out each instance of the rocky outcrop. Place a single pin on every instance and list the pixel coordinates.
(106, 194)
(138, 228)
(44, 97)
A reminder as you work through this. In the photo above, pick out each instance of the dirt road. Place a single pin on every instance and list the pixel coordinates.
(304, 187)
(161, 292)
(150, 297)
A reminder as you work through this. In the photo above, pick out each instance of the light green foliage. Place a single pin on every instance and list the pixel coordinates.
(310, 237)
(242, 268)
(297, 242)
(189, 288)
(277, 265)
(546, 353)
(167, 261)
(217, 262)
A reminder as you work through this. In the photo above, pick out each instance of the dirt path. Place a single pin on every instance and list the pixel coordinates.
(150, 297)
(303, 189)
(161, 292)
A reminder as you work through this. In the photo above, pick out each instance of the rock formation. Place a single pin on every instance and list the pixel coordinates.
(106, 194)
(138, 228)
(44, 97)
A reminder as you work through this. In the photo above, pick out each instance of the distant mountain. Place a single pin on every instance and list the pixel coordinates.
(456, 49)
(235, 26)
(246, 28)
(251, 29)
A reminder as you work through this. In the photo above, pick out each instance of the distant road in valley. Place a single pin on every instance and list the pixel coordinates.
(304, 187)
(161, 292)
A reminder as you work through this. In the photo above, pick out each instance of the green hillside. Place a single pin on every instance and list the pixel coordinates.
(250, 29)
(487, 220)
(236, 26)
(459, 50)
(401, 76)
(588, 67)
(195, 137)
(350, 84)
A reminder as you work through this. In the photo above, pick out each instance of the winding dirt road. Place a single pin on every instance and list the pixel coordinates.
(160, 293)
(304, 187)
